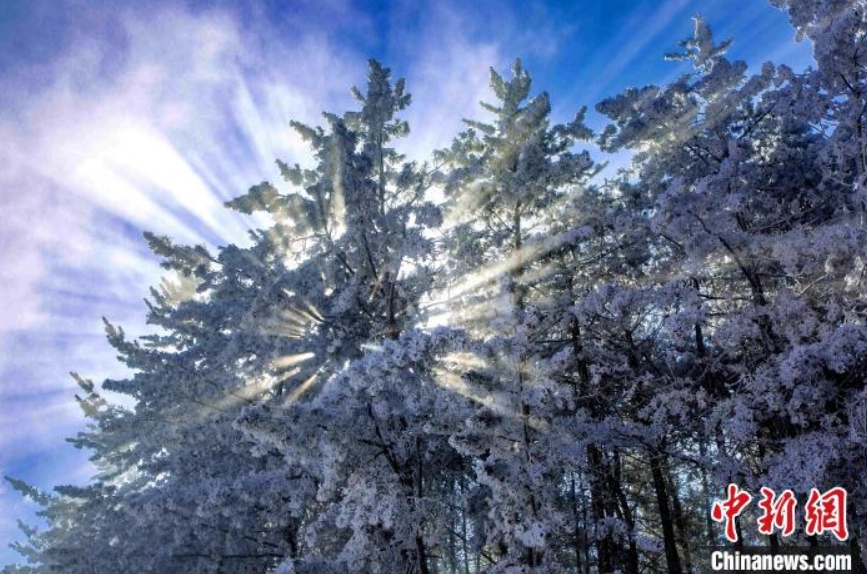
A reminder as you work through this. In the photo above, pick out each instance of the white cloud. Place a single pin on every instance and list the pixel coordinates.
(447, 79)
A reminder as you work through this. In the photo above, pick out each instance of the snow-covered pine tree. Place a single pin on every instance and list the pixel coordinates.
(503, 178)
(759, 250)
(341, 268)
(368, 438)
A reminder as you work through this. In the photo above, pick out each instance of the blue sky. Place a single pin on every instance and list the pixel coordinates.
(118, 117)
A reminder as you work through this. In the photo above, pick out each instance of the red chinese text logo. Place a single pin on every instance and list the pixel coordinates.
(728, 510)
(777, 512)
(824, 512)
(827, 512)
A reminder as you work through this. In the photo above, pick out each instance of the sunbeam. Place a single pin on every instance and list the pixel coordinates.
(292, 360)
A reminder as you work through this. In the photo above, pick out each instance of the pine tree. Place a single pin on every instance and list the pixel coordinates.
(503, 177)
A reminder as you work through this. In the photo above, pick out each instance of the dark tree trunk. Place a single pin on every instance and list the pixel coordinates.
(679, 520)
(600, 507)
(665, 515)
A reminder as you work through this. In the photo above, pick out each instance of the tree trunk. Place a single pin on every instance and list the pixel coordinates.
(679, 519)
(600, 506)
(576, 529)
(665, 515)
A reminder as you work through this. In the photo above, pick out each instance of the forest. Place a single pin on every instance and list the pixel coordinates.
(505, 359)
